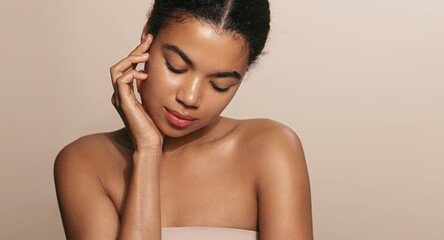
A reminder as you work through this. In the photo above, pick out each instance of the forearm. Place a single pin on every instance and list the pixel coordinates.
(141, 216)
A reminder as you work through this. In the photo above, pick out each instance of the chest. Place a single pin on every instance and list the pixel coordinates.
(202, 189)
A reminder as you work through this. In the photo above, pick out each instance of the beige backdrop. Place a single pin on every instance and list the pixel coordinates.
(361, 82)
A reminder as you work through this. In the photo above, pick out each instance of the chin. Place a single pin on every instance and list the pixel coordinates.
(174, 131)
(177, 133)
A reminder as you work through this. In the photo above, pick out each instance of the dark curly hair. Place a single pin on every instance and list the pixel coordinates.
(248, 18)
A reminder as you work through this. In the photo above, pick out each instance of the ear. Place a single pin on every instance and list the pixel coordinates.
(144, 33)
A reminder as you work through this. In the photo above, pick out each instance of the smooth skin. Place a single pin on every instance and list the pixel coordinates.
(217, 172)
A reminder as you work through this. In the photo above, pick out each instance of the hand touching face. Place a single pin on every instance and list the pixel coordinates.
(141, 128)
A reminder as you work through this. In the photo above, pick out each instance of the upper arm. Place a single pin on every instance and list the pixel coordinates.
(87, 212)
(284, 202)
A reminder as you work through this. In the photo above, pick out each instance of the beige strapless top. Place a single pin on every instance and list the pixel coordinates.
(208, 233)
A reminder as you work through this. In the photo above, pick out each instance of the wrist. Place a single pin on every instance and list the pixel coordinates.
(150, 154)
(143, 147)
(148, 149)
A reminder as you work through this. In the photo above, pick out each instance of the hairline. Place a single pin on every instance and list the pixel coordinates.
(181, 15)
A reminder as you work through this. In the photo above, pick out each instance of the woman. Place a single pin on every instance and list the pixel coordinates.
(178, 167)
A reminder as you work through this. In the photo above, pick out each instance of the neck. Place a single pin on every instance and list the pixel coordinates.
(195, 138)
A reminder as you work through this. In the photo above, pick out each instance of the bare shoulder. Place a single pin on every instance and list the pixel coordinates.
(85, 151)
(281, 179)
(94, 154)
(272, 147)
(269, 136)
(85, 206)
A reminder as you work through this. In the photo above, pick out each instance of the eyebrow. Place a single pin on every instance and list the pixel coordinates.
(233, 74)
(179, 52)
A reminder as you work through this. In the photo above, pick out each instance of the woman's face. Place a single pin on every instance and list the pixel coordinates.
(194, 69)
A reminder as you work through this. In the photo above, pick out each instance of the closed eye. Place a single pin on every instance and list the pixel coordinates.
(173, 69)
(219, 89)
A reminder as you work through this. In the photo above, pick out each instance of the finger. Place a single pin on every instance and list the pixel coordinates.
(116, 104)
(143, 47)
(113, 100)
(127, 99)
(126, 78)
(125, 86)
(118, 70)
(125, 64)
(128, 105)
(129, 76)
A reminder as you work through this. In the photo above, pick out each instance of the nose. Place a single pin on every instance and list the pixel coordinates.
(189, 93)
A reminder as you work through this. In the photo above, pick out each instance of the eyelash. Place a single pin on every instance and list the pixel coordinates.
(218, 88)
(173, 69)
(182, 71)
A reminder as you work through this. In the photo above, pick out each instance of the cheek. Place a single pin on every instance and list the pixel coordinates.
(156, 84)
(221, 102)
(215, 105)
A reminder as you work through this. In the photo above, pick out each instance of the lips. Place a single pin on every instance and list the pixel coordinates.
(178, 119)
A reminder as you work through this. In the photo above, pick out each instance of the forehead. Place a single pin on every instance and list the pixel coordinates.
(206, 45)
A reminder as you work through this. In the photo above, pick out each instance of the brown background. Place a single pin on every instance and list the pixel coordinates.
(361, 82)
